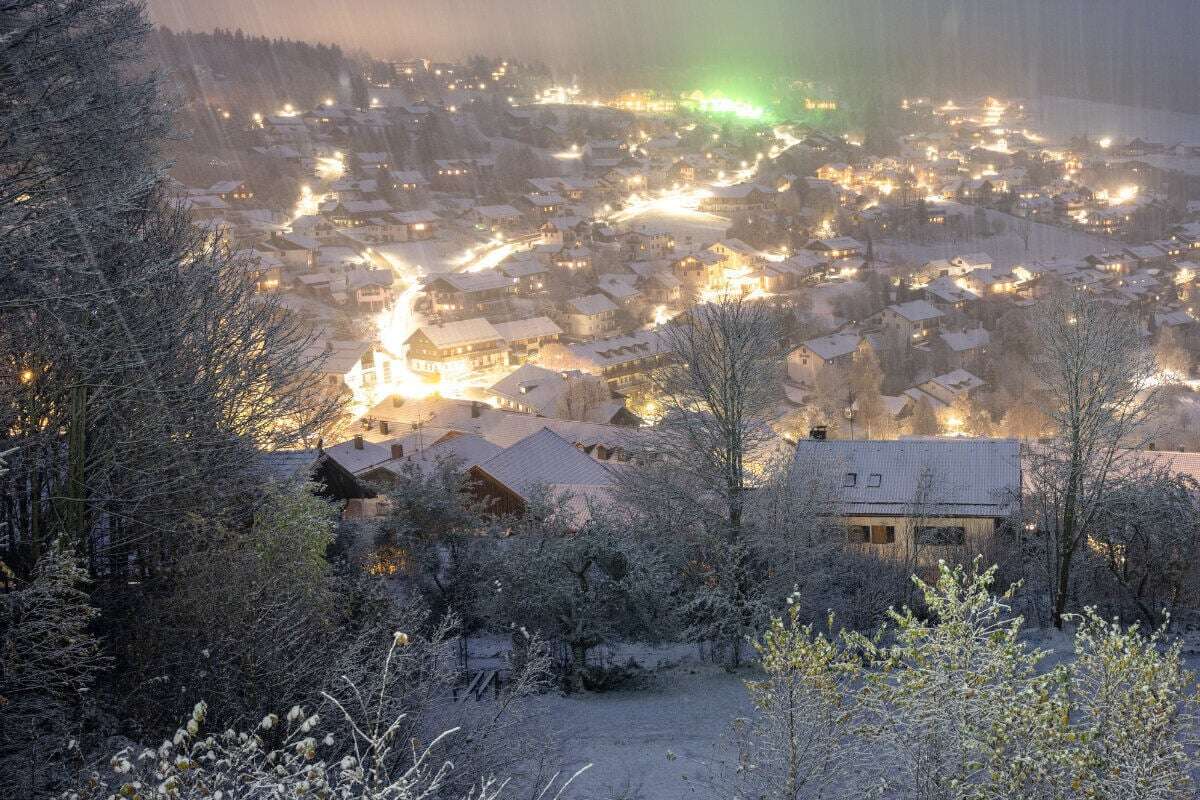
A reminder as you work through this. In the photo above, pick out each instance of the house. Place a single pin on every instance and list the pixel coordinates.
(544, 205)
(837, 247)
(834, 350)
(356, 213)
(569, 394)
(916, 497)
(526, 337)
(497, 218)
(469, 292)
(572, 258)
(407, 181)
(962, 264)
(542, 461)
(648, 244)
(964, 348)
(914, 320)
(453, 175)
(945, 294)
(459, 451)
(739, 198)
(232, 192)
(357, 368)
(528, 275)
(456, 348)
(945, 389)
(622, 289)
(698, 270)
(416, 225)
(624, 361)
(591, 317)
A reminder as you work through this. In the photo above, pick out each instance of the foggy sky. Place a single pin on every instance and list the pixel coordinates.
(1131, 51)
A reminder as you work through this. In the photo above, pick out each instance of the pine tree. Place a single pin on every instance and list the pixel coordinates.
(49, 662)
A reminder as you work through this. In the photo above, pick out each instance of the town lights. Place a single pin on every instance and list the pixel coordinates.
(1105, 142)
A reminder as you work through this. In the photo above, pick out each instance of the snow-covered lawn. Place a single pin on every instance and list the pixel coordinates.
(652, 743)
(1006, 249)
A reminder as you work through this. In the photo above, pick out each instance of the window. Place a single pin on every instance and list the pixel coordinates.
(874, 479)
(940, 536)
(883, 534)
(851, 479)
(858, 534)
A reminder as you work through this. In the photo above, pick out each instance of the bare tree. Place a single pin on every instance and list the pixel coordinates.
(711, 448)
(1098, 377)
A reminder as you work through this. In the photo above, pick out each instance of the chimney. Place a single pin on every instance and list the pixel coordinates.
(397, 401)
(476, 409)
(397, 450)
(384, 428)
(358, 441)
(818, 433)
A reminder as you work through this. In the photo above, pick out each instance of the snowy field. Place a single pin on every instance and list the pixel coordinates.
(1006, 249)
(666, 741)
(1060, 118)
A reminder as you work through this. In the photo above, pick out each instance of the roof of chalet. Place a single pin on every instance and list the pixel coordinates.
(928, 477)
(544, 459)
(835, 345)
(467, 331)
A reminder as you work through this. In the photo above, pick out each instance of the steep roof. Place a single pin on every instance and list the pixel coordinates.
(916, 310)
(923, 477)
(544, 458)
(834, 345)
(592, 304)
(467, 331)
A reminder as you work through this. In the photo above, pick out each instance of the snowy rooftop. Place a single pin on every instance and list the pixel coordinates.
(933, 477)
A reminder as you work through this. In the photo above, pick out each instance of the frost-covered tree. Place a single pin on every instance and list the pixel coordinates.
(570, 575)
(1098, 378)
(803, 739)
(49, 662)
(357, 749)
(711, 448)
(957, 705)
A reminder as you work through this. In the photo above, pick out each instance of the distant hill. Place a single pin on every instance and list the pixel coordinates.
(245, 74)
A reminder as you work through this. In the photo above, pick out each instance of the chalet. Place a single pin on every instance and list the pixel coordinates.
(410, 455)
(563, 231)
(541, 462)
(984, 282)
(837, 247)
(943, 390)
(624, 361)
(549, 393)
(916, 498)
(945, 294)
(407, 181)
(456, 348)
(645, 244)
(497, 218)
(704, 268)
(967, 262)
(232, 192)
(355, 213)
(526, 337)
(1116, 263)
(834, 350)
(914, 320)
(464, 293)
(574, 259)
(739, 198)
(591, 317)
(544, 205)
(450, 175)
(964, 349)
(416, 225)
(528, 275)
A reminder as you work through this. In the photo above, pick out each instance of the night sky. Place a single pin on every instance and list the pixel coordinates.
(1130, 51)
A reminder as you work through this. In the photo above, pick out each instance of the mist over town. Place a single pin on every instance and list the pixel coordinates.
(628, 401)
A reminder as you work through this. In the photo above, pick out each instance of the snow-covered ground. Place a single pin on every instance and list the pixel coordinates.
(659, 742)
(667, 740)
(1006, 249)
(1060, 118)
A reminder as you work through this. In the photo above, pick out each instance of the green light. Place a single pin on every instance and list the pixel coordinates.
(718, 104)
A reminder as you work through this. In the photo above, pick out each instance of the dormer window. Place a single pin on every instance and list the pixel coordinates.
(874, 480)
(851, 479)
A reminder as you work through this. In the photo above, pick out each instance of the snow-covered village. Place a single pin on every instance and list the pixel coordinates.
(425, 400)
